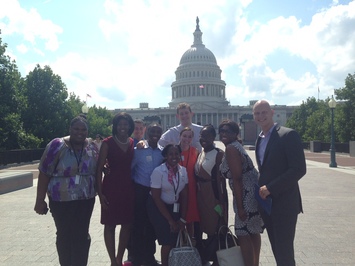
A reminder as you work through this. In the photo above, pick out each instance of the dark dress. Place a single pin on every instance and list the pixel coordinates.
(117, 186)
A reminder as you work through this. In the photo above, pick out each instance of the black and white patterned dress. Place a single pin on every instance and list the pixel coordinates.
(253, 224)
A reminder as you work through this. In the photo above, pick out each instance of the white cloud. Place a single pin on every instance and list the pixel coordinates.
(22, 48)
(328, 43)
(144, 41)
(29, 24)
(335, 53)
(156, 35)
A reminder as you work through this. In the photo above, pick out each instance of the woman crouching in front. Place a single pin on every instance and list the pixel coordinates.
(168, 202)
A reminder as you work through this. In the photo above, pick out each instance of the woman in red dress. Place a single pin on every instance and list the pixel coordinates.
(115, 189)
(189, 156)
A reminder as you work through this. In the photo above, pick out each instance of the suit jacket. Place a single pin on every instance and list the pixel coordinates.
(283, 165)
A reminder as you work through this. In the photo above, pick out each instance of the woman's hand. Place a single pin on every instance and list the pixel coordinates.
(104, 202)
(174, 226)
(181, 225)
(106, 170)
(41, 207)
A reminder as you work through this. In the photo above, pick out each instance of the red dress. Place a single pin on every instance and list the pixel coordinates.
(188, 160)
(117, 186)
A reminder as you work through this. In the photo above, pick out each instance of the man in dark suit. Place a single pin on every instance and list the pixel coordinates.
(281, 161)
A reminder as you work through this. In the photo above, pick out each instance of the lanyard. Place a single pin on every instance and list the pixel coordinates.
(173, 183)
(78, 158)
(172, 177)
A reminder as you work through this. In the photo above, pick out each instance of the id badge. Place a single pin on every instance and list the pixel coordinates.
(176, 207)
(77, 179)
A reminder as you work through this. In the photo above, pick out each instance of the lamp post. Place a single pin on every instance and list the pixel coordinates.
(332, 104)
(85, 108)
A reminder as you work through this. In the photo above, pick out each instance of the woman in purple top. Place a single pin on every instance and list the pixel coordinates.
(67, 176)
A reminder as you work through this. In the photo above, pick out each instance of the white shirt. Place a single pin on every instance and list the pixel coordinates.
(159, 179)
(206, 160)
(172, 136)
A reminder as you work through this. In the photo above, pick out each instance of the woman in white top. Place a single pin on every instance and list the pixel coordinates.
(212, 200)
(98, 141)
(168, 202)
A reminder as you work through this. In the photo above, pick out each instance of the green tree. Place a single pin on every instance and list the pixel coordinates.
(100, 120)
(344, 112)
(12, 134)
(298, 120)
(16, 137)
(47, 113)
(316, 130)
(74, 104)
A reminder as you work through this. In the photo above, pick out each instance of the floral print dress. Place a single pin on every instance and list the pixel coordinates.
(253, 224)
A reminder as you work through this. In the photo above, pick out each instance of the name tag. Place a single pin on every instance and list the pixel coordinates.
(89, 153)
(149, 158)
(176, 207)
(77, 179)
(182, 158)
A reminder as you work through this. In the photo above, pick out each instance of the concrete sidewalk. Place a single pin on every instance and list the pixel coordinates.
(325, 232)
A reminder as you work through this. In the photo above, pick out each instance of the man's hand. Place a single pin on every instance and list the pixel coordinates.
(141, 144)
(264, 192)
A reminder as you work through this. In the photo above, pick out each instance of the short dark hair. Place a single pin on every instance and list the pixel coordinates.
(81, 119)
(116, 119)
(154, 124)
(232, 125)
(210, 128)
(166, 149)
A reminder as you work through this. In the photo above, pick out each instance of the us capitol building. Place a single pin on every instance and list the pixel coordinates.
(198, 83)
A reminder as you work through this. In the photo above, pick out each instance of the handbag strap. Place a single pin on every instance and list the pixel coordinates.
(228, 232)
(179, 242)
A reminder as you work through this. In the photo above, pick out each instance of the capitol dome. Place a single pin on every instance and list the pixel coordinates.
(198, 77)
(195, 54)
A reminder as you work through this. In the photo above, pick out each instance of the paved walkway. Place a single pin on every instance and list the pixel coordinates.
(325, 232)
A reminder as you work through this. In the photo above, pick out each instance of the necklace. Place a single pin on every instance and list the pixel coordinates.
(123, 143)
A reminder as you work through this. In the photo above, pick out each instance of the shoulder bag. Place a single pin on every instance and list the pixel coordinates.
(231, 255)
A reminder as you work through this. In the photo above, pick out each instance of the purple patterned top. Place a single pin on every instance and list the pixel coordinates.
(67, 183)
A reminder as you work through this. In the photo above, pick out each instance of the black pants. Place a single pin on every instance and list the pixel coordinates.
(72, 220)
(281, 232)
(142, 242)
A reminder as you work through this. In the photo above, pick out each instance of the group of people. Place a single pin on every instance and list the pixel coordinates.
(167, 182)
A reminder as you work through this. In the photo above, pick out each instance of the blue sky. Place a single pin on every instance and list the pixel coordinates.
(126, 52)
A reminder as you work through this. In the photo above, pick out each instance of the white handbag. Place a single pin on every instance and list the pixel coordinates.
(184, 255)
(232, 254)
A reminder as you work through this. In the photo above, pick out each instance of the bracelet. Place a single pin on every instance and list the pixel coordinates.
(183, 220)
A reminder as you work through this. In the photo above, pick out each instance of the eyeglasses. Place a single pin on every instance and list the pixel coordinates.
(225, 131)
